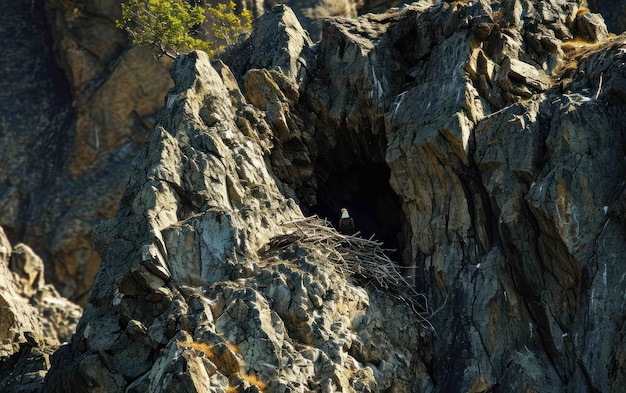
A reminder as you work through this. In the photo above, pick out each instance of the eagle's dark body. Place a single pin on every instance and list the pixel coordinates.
(346, 223)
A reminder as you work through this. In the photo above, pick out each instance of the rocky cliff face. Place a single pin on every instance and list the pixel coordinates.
(194, 295)
(472, 134)
(77, 103)
(483, 140)
(69, 133)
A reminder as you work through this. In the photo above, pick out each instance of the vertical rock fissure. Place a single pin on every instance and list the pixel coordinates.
(480, 209)
(531, 292)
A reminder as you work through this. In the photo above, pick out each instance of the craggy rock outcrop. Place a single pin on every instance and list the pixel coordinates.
(19, 320)
(190, 297)
(513, 219)
(77, 103)
(312, 12)
(504, 146)
(68, 134)
(34, 319)
(484, 138)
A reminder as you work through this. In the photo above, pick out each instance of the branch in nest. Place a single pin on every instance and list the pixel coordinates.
(363, 259)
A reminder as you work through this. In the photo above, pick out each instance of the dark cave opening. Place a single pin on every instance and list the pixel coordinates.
(363, 189)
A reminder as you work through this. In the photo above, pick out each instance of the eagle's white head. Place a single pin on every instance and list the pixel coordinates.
(344, 213)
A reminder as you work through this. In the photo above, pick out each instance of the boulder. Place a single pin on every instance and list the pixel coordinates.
(590, 27)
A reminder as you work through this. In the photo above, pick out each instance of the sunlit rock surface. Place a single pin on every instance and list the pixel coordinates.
(482, 140)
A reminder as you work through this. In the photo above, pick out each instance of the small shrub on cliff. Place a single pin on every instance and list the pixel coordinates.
(226, 25)
(169, 26)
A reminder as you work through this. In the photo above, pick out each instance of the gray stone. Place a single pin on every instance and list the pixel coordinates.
(34, 319)
(502, 149)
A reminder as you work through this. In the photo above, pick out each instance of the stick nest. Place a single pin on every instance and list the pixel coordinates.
(365, 261)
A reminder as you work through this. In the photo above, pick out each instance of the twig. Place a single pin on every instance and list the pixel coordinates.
(599, 87)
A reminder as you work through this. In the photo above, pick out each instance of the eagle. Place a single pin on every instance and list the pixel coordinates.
(346, 223)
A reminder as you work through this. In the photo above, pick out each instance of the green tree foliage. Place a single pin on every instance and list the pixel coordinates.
(226, 25)
(167, 25)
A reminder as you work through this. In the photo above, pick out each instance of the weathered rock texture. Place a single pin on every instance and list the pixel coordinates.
(185, 301)
(311, 13)
(503, 148)
(68, 135)
(482, 139)
(34, 319)
(77, 102)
